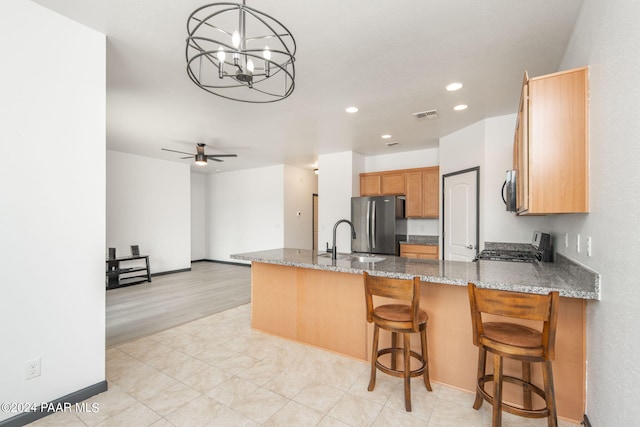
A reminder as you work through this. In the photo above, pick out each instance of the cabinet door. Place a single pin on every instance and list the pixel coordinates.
(392, 184)
(414, 193)
(558, 144)
(419, 251)
(431, 191)
(521, 149)
(369, 185)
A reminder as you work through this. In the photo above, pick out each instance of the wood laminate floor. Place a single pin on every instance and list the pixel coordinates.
(173, 299)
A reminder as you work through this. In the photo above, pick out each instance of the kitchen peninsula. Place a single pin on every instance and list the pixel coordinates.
(306, 296)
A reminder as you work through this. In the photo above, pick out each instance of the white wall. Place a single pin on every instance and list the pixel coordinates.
(607, 38)
(402, 160)
(148, 204)
(199, 224)
(338, 181)
(245, 211)
(52, 208)
(489, 145)
(299, 187)
(498, 225)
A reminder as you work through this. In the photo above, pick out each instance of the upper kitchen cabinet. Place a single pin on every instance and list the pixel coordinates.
(382, 183)
(420, 186)
(422, 191)
(551, 144)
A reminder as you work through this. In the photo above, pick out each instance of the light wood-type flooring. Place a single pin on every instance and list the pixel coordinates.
(173, 299)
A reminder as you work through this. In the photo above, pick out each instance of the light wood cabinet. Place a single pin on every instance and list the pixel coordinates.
(431, 187)
(370, 184)
(414, 195)
(419, 251)
(382, 183)
(420, 186)
(551, 155)
(422, 191)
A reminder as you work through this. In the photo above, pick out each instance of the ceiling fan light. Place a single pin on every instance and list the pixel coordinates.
(201, 159)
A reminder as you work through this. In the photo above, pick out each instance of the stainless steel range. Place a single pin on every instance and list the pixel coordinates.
(539, 250)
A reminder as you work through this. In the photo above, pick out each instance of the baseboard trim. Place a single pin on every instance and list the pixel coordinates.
(67, 402)
(241, 264)
(585, 421)
(162, 273)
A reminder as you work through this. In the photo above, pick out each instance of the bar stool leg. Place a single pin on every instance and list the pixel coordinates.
(374, 357)
(549, 393)
(407, 371)
(526, 389)
(482, 360)
(394, 353)
(425, 358)
(497, 391)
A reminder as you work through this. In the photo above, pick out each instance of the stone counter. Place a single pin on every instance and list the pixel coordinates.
(569, 278)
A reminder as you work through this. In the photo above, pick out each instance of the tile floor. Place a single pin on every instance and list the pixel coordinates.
(216, 371)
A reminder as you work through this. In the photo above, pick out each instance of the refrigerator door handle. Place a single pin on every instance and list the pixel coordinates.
(373, 226)
(368, 224)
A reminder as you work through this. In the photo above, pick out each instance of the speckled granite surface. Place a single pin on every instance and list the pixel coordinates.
(569, 278)
(421, 240)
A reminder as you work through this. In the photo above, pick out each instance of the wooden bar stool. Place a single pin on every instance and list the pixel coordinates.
(402, 319)
(518, 342)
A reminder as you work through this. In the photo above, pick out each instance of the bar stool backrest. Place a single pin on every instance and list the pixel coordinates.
(399, 289)
(516, 305)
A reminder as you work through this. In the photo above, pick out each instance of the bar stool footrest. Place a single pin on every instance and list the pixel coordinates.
(400, 373)
(515, 410)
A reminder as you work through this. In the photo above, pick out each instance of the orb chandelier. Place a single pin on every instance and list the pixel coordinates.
(239, 53)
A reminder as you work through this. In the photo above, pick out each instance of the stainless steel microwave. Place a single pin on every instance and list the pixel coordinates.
(509, 191)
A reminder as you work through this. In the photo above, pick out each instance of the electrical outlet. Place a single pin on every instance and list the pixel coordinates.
(578, 243)
(588, 245)
(33, 368)
(566, 240)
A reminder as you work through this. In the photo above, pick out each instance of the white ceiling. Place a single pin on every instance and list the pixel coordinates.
(388, 58)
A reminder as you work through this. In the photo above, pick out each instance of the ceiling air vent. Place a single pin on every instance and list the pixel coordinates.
(428, 115)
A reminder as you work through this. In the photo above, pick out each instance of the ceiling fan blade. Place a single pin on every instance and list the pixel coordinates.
(174, 151)
(221, 155)
(214, 159)
(189, 157)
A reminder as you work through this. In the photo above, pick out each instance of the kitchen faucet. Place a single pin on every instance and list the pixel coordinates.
(334, 251)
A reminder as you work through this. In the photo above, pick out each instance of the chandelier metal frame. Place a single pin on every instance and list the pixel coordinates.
(248, 59)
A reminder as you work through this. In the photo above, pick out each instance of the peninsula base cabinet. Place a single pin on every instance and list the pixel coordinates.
(551, 144)
(326, 309)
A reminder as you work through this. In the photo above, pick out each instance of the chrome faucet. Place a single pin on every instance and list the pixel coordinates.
(334, 251)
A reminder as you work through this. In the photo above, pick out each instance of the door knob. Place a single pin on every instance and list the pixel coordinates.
(470, 247)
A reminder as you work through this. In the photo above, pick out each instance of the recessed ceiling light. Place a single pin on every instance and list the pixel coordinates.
(460, 107)
(386, 136)
(454, 86)
(352, 109)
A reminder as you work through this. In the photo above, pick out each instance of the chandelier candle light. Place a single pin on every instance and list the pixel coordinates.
(239, 53)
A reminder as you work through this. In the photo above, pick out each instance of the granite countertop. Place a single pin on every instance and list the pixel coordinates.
(569, 278)
(421, 240)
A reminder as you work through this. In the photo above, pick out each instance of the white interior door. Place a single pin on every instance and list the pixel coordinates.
(460, 224)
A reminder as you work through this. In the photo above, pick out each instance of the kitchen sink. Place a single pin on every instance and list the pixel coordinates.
(351, 257)
(367, 258)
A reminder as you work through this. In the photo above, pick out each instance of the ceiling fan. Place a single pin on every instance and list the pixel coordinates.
(201, 157)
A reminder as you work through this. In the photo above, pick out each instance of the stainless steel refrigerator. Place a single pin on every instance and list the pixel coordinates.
(374, 219)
